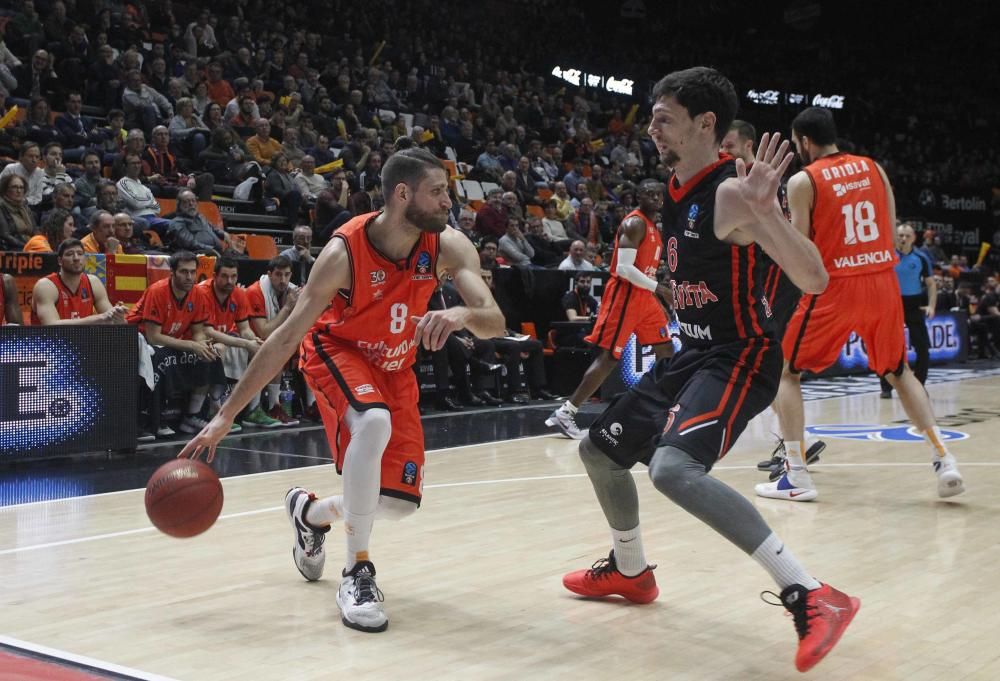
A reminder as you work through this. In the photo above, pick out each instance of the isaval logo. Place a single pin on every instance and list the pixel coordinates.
(877, 433)
(44, 397)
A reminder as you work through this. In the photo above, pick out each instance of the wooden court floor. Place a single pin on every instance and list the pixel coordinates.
(472, 581)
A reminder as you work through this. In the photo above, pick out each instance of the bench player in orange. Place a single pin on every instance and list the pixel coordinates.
(845, 204)
(360, 320)
(71, 296)
(629, 305)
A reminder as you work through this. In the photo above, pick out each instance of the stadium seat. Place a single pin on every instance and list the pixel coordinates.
(260, 246)
(529, 329)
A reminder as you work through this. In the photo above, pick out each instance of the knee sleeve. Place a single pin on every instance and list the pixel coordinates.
(594, 458)
(673, 471)
(370, 429)
(392, 508)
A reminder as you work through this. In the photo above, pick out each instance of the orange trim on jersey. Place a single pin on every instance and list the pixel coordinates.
(679, 192)
(695, 420)
(743, 393)
(735, 283)
(751, 303)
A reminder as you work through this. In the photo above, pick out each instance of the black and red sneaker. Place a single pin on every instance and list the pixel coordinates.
(604, 579)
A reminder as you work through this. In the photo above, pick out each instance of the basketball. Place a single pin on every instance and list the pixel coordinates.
(183, 498)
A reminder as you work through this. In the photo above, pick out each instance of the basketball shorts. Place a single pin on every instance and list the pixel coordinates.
(783, 297)
(626, 309)
(868, 304)
(341, 377)
(699, 400)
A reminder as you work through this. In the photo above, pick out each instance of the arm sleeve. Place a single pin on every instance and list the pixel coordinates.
(627, 270)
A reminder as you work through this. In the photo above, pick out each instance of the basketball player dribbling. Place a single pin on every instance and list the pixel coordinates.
(845, 204)
(688, 410)
(360, 319)
(633, 303)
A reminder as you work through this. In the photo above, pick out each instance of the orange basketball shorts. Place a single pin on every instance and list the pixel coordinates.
(868, 304)
(341, 377)
(627, 309)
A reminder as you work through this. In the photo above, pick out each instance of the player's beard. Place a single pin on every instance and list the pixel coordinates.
(669, 158)
(425, 221)
(73, 268)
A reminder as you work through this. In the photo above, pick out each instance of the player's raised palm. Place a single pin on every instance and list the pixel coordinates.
(759, 187)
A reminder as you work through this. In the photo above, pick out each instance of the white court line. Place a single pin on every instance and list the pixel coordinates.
(87, 663)
(467, 483)
(262, 473)
(430, 451)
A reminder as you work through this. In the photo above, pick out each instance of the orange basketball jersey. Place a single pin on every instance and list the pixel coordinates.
(224, 316)
(70, 305)
(374, 316)
(647, 257)
(850, 216)
(175, 316)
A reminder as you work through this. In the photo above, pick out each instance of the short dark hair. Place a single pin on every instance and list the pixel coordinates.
(181, 257)
(68, 244)
(817, 124)
(52, 226)
(699, 90)
(26, 146)
(279, 262)
(408, 166)
(403, 142)
(92, 153)
(744, 130)
(116, 113)
(51, 145)
(225, 261)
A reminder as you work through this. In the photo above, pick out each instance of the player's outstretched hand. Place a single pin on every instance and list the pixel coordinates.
(208, 439)
(434, 327)
(759, 187)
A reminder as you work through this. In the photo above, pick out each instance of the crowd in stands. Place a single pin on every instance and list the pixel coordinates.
(294, 108)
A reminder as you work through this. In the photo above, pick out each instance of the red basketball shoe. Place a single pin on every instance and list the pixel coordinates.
(821, 616)
(604, 579)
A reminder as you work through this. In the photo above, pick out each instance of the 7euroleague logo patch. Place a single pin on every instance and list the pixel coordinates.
(877, 433)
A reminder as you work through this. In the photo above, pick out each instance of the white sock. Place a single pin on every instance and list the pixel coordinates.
(217, 391)
(934, 440)
(793, 452)
(781, 564)
(271, 393)
(195, 402)
(310, 397)
(628, 551)
(569, 408)
(254, 402)
(325, 511)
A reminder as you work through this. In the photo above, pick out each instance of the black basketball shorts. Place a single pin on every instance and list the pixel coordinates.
(699, 400)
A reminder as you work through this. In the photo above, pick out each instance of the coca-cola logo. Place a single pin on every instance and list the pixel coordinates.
(766, 97)
(831, 102)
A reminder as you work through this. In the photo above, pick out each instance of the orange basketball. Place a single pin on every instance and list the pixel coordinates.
(183, 498)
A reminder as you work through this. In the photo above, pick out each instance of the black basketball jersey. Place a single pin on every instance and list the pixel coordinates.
(718, 287)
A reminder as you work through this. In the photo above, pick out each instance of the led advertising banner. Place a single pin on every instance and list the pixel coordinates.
(949, 333)
(67, 389)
